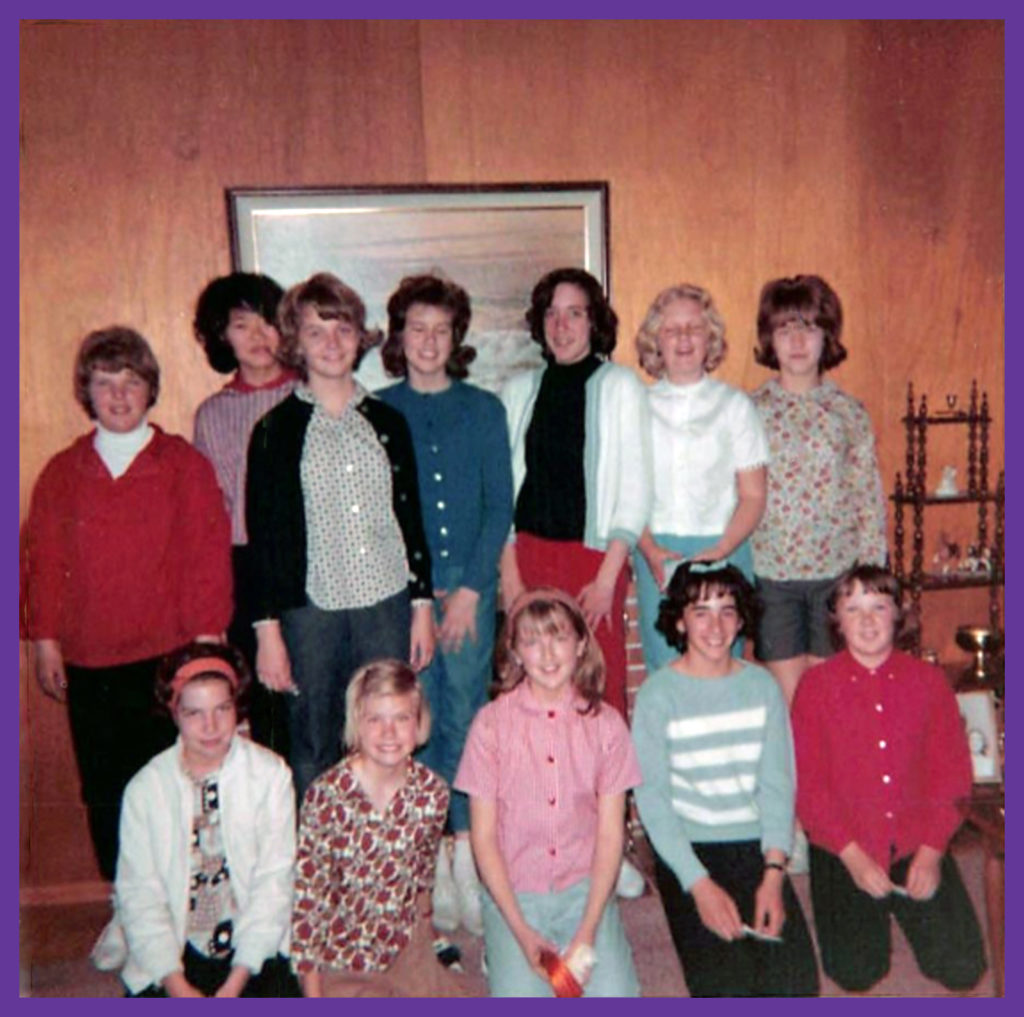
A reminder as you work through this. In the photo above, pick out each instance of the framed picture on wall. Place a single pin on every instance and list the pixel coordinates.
(978, 709)
(496, 241)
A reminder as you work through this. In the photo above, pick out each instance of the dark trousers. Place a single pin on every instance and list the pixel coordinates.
(268, 711)
(324, 648)
(208, 974)
(854, 931)
(115, 730)
(743, 967)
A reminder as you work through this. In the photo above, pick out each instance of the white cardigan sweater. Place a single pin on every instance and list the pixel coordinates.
(257, 802)
(616, 453)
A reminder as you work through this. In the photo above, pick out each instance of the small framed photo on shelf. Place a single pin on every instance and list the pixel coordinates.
(978, 709)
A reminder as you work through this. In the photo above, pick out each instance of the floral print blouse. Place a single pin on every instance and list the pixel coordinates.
(825, 505)
(358, 873)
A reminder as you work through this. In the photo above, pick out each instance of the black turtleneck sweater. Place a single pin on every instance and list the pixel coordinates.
(552, 502)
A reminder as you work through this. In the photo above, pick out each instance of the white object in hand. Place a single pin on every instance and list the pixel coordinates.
(581, 961)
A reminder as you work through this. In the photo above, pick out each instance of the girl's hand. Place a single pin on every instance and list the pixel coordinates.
(273, 668)
(421, 637)
(459, 620)
(532, 943)
(657, 557)
(50, 669)
(717, 909)
(924, 874)
(512, 584)
(712, 553)
(178, 987)
(769, 911)
(596, 601)
(312, 985)
(866, 873)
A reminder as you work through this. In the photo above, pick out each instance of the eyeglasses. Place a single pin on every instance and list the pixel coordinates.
(796, 325)
(673, 332)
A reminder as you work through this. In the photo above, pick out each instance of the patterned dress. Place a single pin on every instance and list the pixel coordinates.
(358, 872)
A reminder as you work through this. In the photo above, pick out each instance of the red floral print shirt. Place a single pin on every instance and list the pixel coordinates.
(358, 872)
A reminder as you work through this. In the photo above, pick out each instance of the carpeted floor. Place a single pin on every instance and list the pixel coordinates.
(56, 940)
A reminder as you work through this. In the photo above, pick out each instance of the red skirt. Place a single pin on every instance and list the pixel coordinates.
(569, 566)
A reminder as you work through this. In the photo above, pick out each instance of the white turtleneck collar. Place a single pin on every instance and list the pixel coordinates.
(118, 450)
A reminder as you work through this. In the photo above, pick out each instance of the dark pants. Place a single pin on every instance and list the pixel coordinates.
(743, 967)
(324, 648)
(115, 730)
(208, 974)
(268, 711)
(854, 932)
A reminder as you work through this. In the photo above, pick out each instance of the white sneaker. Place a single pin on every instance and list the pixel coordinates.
(111, 949)
(630, 883)
(444, 900)
(467, 887)
(799, 863)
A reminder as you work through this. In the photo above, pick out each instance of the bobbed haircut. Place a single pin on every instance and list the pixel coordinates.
(871, 579)
(604, 322)
(333, 300)
(434, 291)
(172, 663)
(385, 677)
(547, 610)
(115, 348)
(647, 336)
(800, 296)
(240, 291)
(695, 581)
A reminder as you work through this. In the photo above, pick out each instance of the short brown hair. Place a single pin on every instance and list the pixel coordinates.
(385, 677)
(333, 300)
(692, 582)
(807, 296)
(604, 322)
(115, 348)
(164, 687)
(435, 291)
(547, 609)
(872, 579)
(647, 336)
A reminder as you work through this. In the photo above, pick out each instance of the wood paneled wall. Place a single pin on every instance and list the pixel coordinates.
(869, 152)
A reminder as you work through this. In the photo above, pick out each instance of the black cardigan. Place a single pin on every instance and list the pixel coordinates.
(275, 511)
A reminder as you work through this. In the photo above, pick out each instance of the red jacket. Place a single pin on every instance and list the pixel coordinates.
(121, 570)
(881, 756)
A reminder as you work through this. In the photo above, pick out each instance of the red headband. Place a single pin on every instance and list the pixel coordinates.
(201, 666)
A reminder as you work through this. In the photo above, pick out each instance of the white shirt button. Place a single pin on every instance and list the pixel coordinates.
(886, 779)
(878, 707)
(440, 505)
(882, 744)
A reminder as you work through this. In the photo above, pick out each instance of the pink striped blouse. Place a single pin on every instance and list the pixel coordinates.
(545, 767)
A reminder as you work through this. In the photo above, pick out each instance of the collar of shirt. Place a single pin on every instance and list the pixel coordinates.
(857, 670)
(237, 385)
(821, 392)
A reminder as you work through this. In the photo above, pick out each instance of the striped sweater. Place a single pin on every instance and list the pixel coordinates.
(717, 762)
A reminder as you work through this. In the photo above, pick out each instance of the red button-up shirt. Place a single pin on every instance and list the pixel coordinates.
(881, 756)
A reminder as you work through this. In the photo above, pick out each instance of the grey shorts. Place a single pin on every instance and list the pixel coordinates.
(794, 619)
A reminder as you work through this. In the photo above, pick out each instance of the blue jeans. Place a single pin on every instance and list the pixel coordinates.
(657, 652)
(557, 917)
(456, 685)
(324, 648)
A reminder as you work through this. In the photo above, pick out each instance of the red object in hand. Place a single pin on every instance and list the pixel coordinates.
(561, 978)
